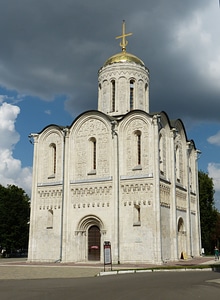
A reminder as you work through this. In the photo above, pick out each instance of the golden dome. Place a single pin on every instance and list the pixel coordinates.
(123, 57)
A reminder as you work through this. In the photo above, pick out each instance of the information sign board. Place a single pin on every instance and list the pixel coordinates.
(107, 254)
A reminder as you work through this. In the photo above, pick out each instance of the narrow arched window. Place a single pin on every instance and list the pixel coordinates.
(131, 94)
(180, 226)
(138, 146)
(136, 215)
(177, 163)
(49, 219)
(113, 95)
(146, 87)
(92, 156)
(53, 158)
(161, 154)
(93, 152)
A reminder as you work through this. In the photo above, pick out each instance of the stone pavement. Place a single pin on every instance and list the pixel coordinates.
(19, 268)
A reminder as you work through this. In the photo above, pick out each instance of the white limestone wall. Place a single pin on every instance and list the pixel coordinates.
(136, 190)
(128, 129)
(90, 191)
(90, 204)
(137, 233)
(121, 197)
(165, 233)
(196, 251)
(80, 144)
(182, 234)
(45, 161)
(44, 239)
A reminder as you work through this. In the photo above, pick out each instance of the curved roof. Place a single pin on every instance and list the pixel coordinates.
(123, 57)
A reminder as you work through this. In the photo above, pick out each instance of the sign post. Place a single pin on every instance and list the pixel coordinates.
(107, 254)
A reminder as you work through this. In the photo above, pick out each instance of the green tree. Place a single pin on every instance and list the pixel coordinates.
(208, 212)
(14, 218)
(216, 234)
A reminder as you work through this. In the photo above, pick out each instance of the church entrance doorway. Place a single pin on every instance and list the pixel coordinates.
(181, 238)
(94, 243)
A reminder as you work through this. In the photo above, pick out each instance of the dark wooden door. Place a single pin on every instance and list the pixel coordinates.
(94, 243)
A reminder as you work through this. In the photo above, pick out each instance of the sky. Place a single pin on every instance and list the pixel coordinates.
(51, 51)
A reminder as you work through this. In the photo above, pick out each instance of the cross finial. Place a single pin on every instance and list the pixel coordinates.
(123, 42)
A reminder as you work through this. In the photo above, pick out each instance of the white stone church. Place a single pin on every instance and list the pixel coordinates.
(119, 174)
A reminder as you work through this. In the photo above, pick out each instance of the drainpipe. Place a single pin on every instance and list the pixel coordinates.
(65, 130)
(115, 133)
(174, 246)
(156, 122)
(33, 139)
(189, 148)
(198, 152)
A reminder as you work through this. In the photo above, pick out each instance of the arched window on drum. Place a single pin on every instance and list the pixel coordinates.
(131, 94)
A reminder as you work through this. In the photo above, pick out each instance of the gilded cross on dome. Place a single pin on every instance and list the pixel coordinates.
(124, 42)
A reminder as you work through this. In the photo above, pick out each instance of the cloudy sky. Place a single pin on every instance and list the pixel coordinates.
(51, 51)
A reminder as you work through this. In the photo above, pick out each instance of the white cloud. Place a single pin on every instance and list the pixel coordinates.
(48, 112)
(214, 173)
(11, 171)
(214, 139)
(199, 38)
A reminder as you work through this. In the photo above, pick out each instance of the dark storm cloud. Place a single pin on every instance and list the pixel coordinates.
(56, 47)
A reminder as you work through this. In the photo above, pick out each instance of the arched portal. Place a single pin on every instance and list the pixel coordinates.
(181, 238)
(94, 243)
(90, 233)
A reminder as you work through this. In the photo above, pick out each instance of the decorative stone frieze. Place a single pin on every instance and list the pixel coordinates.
(140, 203)
(137, 188)
(181, 198)
(88, 191)
(165, 194)
(90, 205)
(50, 193)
